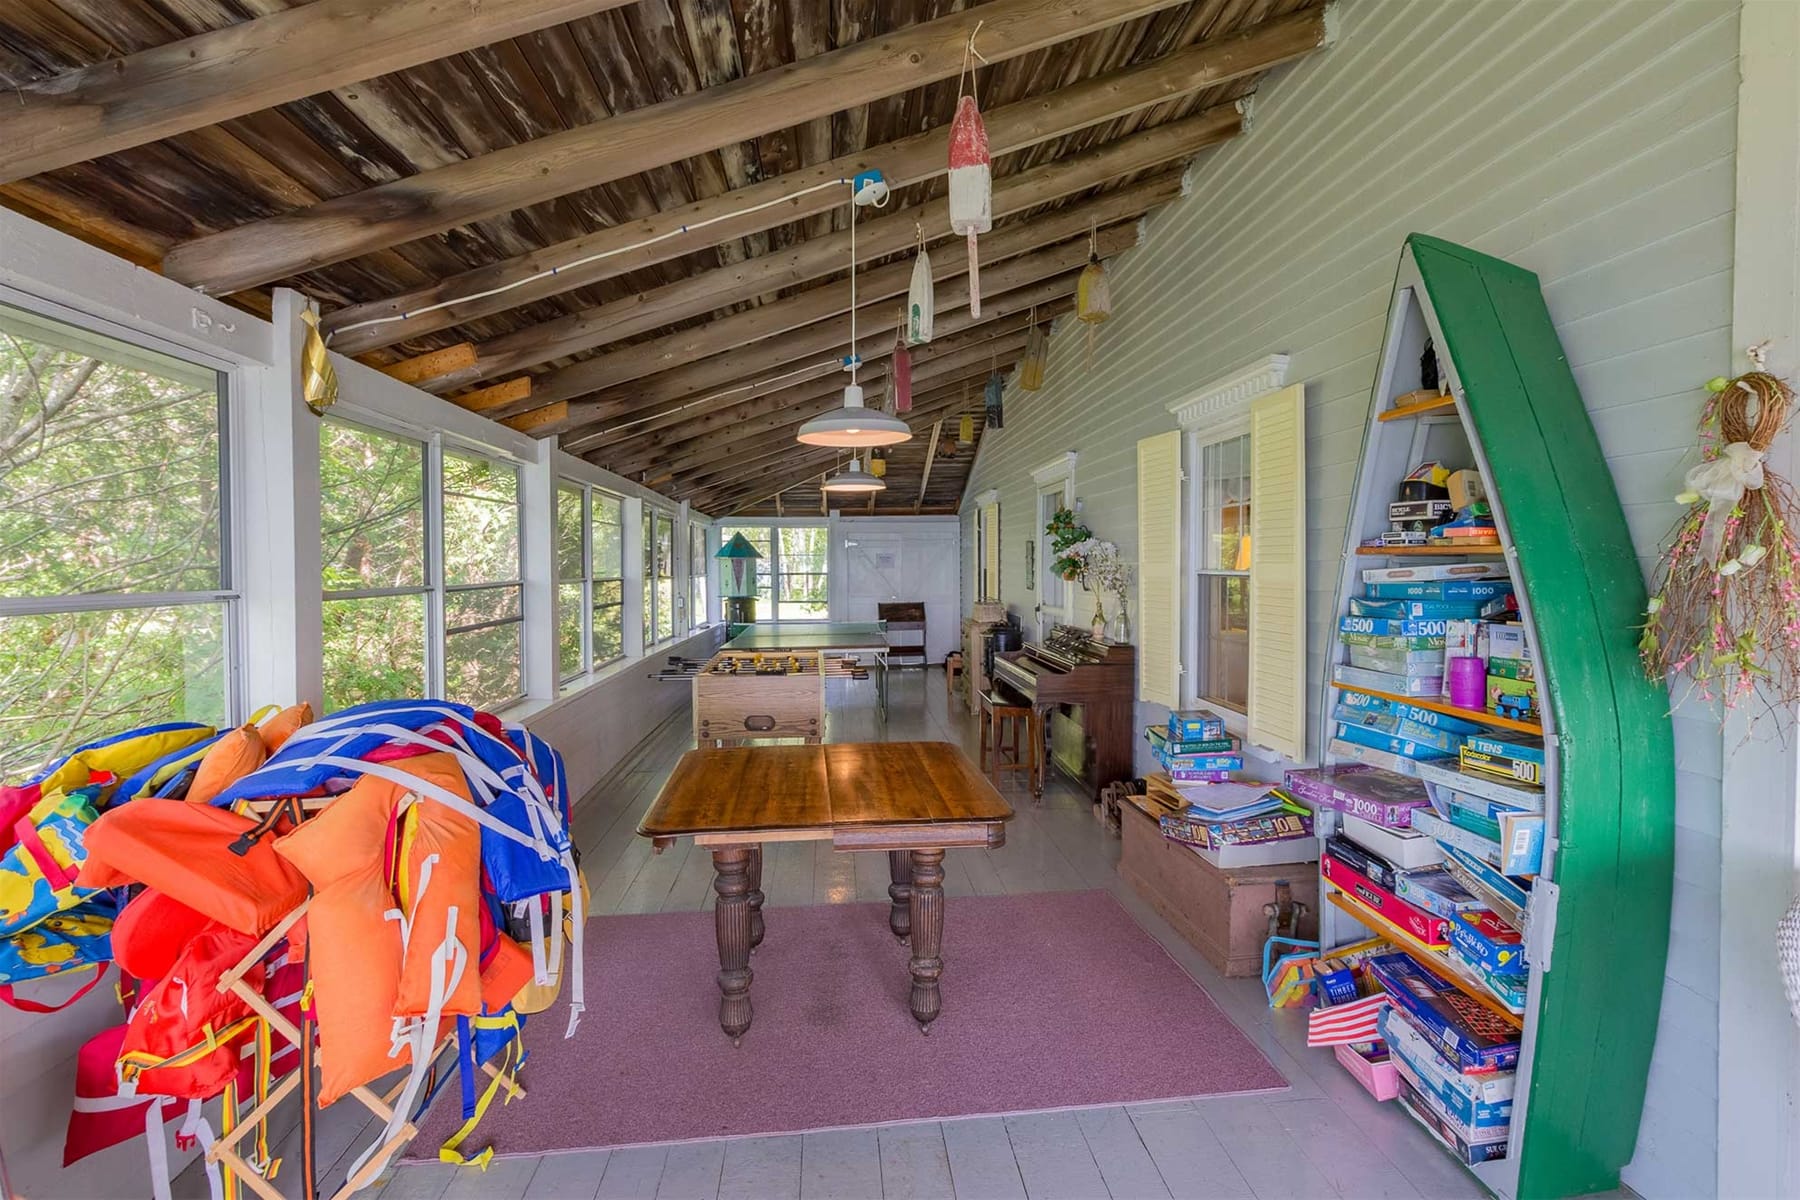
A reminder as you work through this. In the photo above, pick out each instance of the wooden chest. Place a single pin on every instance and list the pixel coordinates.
(734, 706)
(1220, 912)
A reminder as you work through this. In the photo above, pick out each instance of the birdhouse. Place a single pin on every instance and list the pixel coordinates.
(737, 567)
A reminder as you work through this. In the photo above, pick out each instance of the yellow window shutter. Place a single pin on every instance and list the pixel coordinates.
(1278, 572)
(1159, 569)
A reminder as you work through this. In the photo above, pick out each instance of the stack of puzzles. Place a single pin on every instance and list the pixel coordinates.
(1228, 821)
(1395, 634)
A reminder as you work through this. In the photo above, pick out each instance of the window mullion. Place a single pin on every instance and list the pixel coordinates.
(435, 573)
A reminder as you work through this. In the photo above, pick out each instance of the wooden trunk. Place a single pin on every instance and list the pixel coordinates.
(1219, 912)
(732, 708)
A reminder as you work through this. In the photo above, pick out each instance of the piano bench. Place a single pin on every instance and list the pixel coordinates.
(1004, 721)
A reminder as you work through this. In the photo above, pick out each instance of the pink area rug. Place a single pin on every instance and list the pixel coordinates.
(1054, 1000)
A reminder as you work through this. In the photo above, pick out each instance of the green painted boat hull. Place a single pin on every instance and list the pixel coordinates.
(1597, 1016)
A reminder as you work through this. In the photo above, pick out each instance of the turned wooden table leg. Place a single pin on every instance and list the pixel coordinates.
(731, 923)
(900, 892)
(756, 896)
(927, 905)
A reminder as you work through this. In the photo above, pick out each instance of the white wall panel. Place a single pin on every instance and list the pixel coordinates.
(1591, 142)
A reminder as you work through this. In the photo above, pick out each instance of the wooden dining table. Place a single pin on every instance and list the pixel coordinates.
(911, 800)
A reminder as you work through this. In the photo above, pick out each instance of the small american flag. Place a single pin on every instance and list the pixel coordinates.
(1342, 1024)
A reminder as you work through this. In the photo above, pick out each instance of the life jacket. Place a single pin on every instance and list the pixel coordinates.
(186, 1036)
(104, 761)
(37, 876)
(152, 928)
(187, 851)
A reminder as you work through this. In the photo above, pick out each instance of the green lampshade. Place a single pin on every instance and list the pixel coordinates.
(738, 578)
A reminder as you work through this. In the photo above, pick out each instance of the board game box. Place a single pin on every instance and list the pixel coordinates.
(1384, 627)
(1478, 1101)
(1383, 681)
(1427, 928)
(1414, 610)
(1473, 1038)
(1439, 589)
(1404, 746)
(1436, 891)
(1434, 572)
(1450, 777)
(1488, 942)
(1197, 725)
(1468, 1154)
(1407, 849)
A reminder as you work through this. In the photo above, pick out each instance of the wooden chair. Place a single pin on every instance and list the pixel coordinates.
(1011, 739)
(953, 669)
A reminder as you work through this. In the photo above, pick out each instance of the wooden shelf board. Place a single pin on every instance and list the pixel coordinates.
(1434, 961)
(1432, 551)
(1450, 710)
(1422, 409)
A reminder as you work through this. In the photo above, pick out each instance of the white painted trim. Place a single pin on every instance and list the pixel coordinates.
(988, 497)
(537, 571)
(1056, 470)
(1759, 1043)
(1228, 399)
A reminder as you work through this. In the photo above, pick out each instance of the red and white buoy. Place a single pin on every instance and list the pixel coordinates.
(971, 187)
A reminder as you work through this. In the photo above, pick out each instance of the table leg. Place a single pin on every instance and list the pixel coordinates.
(882, 660)
(731, 924)
(927, 905)
(756, 896)
(900, 892)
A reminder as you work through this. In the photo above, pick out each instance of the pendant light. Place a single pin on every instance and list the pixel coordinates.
(854, 426)
(854, 479)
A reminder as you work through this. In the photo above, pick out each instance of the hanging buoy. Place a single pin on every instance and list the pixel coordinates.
(921, 299)
(965, 430)
(996, 392)
(1037, 354)
(1093, 295)
(900, 368)
(971, 187)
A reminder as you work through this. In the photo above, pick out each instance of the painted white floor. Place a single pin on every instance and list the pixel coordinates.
(1325, 1137)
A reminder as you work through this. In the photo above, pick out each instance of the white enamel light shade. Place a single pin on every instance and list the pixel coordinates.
(854, 479)
(854, 426)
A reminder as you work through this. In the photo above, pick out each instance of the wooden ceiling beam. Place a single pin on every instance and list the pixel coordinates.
(759, 460)
(607, 253)
(243, 68)
(820, 257)
(662, 451)
(735, 348)
(937, 430)
(782, 409)
(876, 354)
(968, 365)
(544, 168)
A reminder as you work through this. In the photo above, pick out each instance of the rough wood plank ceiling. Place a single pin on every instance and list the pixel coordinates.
(143, 201)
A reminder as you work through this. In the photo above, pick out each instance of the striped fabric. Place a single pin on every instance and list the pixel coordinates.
(1342, 1024)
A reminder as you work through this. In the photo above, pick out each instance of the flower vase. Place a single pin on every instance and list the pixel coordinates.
(1121, 624)
(1099, 618)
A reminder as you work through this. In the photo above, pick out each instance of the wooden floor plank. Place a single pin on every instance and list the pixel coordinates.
(692, 1172)
(1263, 1151)
(840, 1164)
(981, 1159)
(1188, 1155)
(1053, 1157)
(633, 1174)
(914, 1163)
(573, 1176)
(1341, 1151)
(764, 1168)
(1125, 1164)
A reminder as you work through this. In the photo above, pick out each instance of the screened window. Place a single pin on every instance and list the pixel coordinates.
(484, 618)
(608, 541)
(377, 589)
(697, 573)
(1223, 591)
(573, 581)
(115, 587)
(793, 574)
(659, 576)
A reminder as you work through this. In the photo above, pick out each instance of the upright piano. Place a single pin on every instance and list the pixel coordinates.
(1090, 681)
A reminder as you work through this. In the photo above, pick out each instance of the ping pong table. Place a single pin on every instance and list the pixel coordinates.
(832, 637)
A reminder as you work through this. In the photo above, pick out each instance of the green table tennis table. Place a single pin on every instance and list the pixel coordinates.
(832, 637)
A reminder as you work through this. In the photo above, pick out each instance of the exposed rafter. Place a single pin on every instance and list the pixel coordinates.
(676, 129)
(256, 64)
(753, 209)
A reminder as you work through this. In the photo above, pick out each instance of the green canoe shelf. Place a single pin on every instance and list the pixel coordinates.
(1599, 917)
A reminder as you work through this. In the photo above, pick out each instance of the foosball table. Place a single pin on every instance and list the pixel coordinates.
(744, 694)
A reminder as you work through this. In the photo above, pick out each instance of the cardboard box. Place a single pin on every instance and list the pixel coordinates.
(1414, 610)
(1407, 849)
(1199, 725)
(1464, 1152)
(1478, 1101)
(1434, 572)
(1452, 777)
(1436, 891)
(1488, 942)
(1507, 640)
(1386, 627)
(1372, 757)
(1470, 1037)
(1500, 765)
(1375, 739)
(1428, 928)
(1440, 589)
(1382, 681)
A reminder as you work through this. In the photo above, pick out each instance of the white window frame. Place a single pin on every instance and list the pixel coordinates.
(1217, 413)
(1055, 480)
(700, 614)
(649, 602)
(773, 527)
(1195, 443)
(585, 627)
(232, 533)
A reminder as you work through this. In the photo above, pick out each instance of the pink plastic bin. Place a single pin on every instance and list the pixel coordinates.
(1380, 1079)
